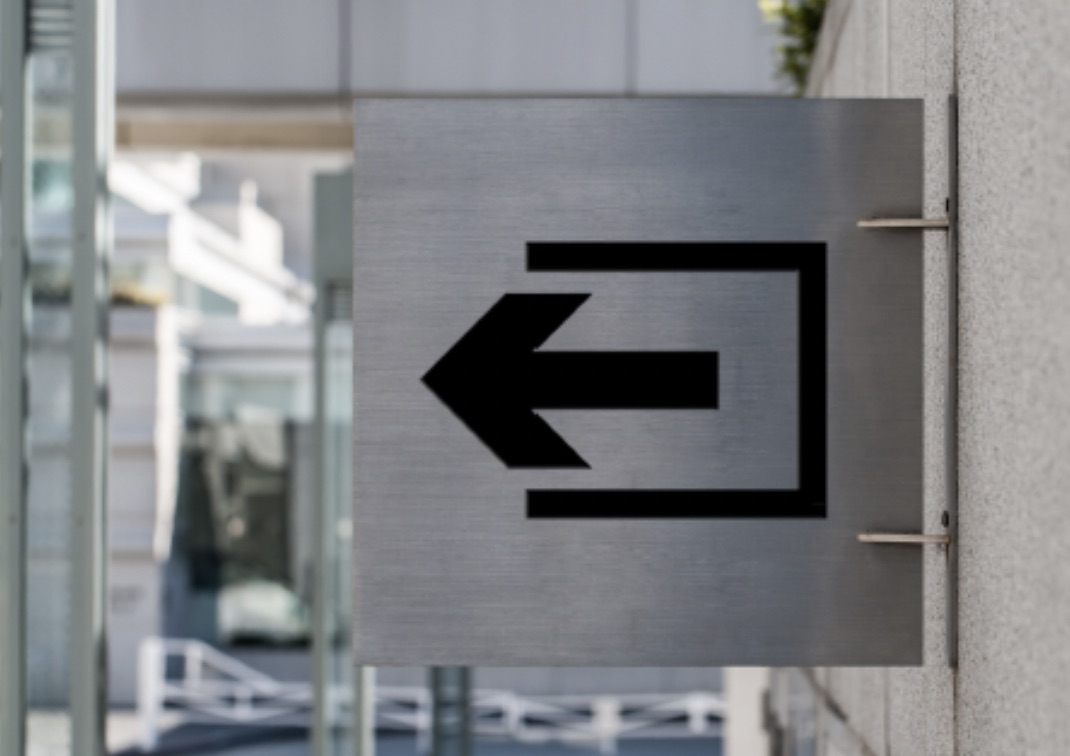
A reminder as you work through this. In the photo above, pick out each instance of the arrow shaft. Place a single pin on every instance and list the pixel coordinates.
(622, 380)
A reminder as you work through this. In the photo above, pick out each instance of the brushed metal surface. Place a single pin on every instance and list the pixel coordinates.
(449, 570)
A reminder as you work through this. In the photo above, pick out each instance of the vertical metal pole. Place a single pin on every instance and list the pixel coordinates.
(364, 711)
(451, 711)
(322, 605)
(334, 255)
(92, 140)
(14, 329)
(951, 397)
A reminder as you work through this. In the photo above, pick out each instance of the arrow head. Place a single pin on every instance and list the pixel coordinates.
(483, 380)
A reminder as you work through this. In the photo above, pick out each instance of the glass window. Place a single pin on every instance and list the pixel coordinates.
(50, 498)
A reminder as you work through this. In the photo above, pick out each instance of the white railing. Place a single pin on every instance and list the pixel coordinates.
(597, 721)
(211, 687)
(207, 685)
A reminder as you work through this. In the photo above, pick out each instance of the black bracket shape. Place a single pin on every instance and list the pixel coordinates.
(809, 260)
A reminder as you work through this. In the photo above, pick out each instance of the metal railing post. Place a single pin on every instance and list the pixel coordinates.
(150, 679)
(451, 711)
(364, 711)
(605, 723)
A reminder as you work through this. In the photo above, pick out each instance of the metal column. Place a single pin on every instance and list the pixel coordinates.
(363, 722)
(451, 711)
(334, 282)
(93, 136)
(323, 703)
(14, 327)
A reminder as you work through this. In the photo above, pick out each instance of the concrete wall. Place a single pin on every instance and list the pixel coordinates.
(1010, 63)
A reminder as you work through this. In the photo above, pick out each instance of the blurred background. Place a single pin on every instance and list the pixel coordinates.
(229, 430)
(175, 207)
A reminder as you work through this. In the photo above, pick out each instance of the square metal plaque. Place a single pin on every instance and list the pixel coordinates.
(629, 382)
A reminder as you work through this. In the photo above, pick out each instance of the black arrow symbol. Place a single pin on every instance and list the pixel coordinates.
(493, 379)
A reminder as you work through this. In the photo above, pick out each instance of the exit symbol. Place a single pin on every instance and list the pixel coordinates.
(495, 377)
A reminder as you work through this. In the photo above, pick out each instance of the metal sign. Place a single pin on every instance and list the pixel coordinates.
(629, 382)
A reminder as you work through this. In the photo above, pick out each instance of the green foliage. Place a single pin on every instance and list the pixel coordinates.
(800, 25)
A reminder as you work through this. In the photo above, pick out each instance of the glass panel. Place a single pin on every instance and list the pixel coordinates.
(240, 535)
(49, 494)
(338, 485)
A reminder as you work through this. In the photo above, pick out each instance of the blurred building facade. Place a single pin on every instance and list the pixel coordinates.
(265, 87)
(206, 323)
(268, 104)
(227, 113)
(229, 109)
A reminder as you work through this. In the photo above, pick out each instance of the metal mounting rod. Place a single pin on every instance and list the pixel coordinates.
(951, 386)
(921, 223)
(918, 539)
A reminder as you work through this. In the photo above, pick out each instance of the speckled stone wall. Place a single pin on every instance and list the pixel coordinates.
(1009, 61)
(1014, 79)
